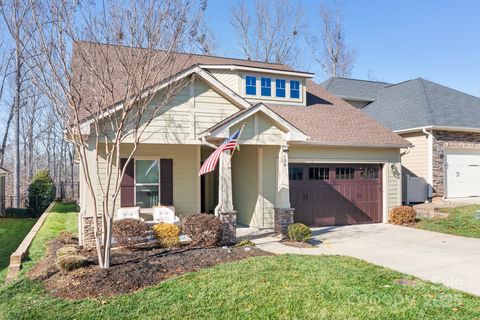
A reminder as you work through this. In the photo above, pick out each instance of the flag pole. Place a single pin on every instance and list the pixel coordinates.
(238, 140)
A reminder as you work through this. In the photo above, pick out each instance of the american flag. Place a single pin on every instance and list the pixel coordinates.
(211, 162)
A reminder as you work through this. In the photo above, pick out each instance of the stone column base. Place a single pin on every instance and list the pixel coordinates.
(229, 220)
(283, 219)
(87, 239)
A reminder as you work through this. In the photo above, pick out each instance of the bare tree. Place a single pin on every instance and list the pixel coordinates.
(5, 61)
(271, 34)
(16, 14)
(331, 52)
(108, 94)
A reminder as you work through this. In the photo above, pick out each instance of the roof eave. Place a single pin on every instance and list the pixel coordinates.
(352, 144)
(441, 128)
(234, 67)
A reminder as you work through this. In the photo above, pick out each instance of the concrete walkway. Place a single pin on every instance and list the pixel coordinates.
(450, 260)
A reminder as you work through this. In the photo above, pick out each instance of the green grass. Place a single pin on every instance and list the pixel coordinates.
(12, 232)
(460, 222)
(278, 287)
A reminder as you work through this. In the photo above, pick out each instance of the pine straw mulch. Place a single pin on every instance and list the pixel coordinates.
(131, 269)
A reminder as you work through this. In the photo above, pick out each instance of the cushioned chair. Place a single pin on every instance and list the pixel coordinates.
(129, 213)
(165, 214)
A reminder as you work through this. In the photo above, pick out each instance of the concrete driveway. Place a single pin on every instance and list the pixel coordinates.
(450, 260)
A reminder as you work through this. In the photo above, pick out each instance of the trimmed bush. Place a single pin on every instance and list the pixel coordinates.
(71, 262)
(128, 232)
(245, 243)
(299, 232)
(167, 234)
(17, 212)
(41, 192)
(204, 229)
(403, 215)
(67, 250)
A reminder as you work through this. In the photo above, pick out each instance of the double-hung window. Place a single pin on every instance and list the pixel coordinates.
(266, 87)
(294, 89)
(280, 88)
(251, 85)
(147, 180)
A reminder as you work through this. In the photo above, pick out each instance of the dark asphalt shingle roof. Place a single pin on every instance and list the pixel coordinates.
(354, 88)
(419, 102)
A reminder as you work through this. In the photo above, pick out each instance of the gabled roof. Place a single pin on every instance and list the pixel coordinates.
(329, 120)
(420, 103)
(354, 89)
(293, 132)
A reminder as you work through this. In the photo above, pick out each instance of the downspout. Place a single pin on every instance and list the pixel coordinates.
(430, 163)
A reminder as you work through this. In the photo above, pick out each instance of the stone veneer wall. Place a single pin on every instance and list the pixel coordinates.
(448, 140)
(88, 236)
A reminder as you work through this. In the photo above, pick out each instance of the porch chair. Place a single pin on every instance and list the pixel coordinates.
(165, 214)
(129, 213)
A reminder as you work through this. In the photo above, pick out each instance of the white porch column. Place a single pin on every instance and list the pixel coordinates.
(225, 202)
(283, 185)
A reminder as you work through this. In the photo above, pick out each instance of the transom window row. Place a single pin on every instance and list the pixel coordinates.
(266, 87)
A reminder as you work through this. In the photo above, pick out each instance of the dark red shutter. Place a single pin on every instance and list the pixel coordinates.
(166, 182)
(127, 186)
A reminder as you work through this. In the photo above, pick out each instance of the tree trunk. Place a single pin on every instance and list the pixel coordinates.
(16, 154)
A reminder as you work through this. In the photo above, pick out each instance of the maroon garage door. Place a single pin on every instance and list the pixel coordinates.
(336, 194)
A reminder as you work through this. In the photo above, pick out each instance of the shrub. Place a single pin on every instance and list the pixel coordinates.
(17, 212)
(204, 229)
(167, 234)
(67, 250)
(71, 262)
(403, 215)
(128, 232)
(245, 243)
(299, 232)
(41, 192)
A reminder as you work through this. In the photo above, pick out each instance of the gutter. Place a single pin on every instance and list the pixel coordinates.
(339, 144)
(430, 162)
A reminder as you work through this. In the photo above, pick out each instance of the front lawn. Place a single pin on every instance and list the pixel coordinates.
(460, 222)
(287, 286)
(12, 232)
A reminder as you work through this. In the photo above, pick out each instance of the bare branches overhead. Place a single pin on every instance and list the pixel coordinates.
(271, 33)
(331, 51)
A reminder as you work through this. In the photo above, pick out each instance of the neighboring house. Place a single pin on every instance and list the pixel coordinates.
(3, 174)
(301, 148)
(443, 124)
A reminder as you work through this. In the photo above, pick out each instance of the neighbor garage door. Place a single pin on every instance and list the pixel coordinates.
(336, 194)
(463, 173)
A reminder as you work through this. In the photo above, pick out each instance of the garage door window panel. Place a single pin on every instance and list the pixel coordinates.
(344, 173)
(318, 173)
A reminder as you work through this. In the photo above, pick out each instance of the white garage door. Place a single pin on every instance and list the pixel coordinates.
(463, 173)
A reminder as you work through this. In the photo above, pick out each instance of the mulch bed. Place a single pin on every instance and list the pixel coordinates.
(131, 269)
(296, 244)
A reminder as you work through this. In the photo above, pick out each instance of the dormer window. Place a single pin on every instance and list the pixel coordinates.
(266, 87)
(251, 85)
(294, 89)
(280, 88)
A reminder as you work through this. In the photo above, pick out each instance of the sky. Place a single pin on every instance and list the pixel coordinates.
(394, 41)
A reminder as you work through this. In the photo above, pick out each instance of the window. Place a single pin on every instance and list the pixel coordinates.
(369, 173)
(318, 173)
(280, 88)
(251, 85)
(294, 89)
(266, 84)
(344, 173)
(295, 173)
(147, 183)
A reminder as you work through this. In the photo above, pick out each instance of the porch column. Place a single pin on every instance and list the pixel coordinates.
(224, 209)
(283, 212)
(283, 185)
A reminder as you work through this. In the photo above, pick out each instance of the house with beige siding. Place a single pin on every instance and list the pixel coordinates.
(442, 124)
(302, 151)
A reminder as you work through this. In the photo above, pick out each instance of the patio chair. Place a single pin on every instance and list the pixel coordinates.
(129, 213)
(165, 214)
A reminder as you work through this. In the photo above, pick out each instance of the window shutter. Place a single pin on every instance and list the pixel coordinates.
(127, 185)
(166, 182)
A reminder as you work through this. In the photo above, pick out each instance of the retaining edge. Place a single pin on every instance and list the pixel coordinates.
(17, 257)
